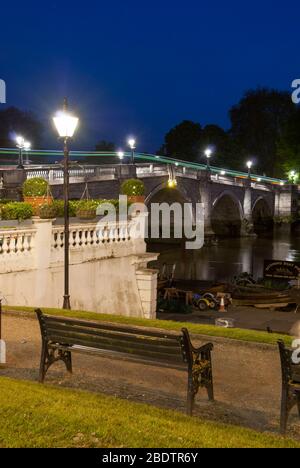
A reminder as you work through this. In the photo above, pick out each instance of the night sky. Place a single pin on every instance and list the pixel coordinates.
(138, 68)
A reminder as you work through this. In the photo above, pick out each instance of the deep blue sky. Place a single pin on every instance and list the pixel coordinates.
(140, 67)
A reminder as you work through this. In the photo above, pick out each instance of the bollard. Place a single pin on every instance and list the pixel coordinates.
(222, 305)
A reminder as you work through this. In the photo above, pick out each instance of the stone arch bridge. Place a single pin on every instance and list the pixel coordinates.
(234, 204)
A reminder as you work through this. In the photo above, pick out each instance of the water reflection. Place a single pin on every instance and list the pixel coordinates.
(229, 258)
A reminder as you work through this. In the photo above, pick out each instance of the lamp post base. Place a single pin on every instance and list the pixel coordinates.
(67, 304)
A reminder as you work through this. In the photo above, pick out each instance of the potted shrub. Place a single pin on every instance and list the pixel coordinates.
(36, 192)
(47, 211)
(16, 210)
(86, 209)
(134, 189)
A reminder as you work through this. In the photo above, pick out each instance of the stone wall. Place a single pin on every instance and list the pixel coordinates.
(108, 268)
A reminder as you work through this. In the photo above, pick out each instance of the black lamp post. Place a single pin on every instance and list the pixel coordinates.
(66, 125)
(132, 145)
(249, 166)
(22, 145)
(208, 153)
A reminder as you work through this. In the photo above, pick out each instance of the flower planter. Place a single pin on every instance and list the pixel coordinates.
(86, 214)
(47, 211)
(136, 199)
(37, 202)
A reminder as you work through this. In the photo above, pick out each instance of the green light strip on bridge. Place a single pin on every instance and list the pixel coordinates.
(145, 157)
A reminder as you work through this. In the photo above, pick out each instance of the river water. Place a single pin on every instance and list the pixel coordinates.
(229, 257)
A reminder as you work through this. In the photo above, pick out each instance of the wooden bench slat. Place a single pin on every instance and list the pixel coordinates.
(109, 335)
(117, 356)
(63, 336)
(111, 326)
(115, 347)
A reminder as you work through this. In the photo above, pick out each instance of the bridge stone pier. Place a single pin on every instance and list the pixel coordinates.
(233, 204)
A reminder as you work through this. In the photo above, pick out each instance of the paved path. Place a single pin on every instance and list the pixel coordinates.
(247, 378)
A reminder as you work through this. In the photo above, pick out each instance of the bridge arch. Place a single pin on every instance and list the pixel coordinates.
(262, 215)
(227, 214)
(162, 194)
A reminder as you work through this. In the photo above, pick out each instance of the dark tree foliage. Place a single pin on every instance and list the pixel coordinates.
(227, 153)
(14, 121)
(183, 141)
(288, 148)
(104, 145)
(258, 121)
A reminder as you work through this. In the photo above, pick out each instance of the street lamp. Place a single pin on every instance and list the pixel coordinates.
(208, 153)
(249, 166)
(132, 146)
(66, 125)
(27, 147)
(120, 155)
(22, 145)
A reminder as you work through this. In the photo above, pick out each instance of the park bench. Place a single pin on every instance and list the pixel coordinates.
(62, 336)
(290, 385)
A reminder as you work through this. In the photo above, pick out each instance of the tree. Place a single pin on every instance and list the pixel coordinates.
(14, 121)
(258, 121)
(227, 154)
(288, 147)
(183, 141)
(104, 145)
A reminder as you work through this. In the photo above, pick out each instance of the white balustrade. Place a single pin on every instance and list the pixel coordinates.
(16, 242)
(90, 235)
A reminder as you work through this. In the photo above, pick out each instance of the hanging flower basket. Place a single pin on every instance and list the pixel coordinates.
(36, 191)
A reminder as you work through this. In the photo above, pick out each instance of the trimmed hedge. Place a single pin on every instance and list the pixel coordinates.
(16, 210)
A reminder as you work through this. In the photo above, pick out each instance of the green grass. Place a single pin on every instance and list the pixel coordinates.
(33, 415)
(209, 330)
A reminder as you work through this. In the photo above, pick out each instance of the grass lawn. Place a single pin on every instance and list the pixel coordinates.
(209, 330)
(33, 415)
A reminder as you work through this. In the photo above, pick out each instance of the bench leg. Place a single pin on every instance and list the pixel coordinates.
(284, 412)
(67, 358)
(43, 367)
(288, 401)
(190, 395)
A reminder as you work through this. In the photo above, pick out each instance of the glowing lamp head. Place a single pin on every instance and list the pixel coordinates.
(20, 141)
(208, 153)
(132, 143)
(172, 183)
(65, 124)
(293, 173)
(120, 155)
(27, 145)
(223, 173)
(249, 164)
(259, 179)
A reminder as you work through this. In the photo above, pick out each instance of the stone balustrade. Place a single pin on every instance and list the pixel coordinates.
(106, 262)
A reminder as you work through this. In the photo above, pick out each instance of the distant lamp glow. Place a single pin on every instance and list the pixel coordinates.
(259, 179)
(20, 141)
(121, 155)
(23, 146)
(293, 176)
(132, 143)
(208, 153)
(223, 173)
(65, 124)
(172, 183)
(249, 166)
(282, 184)
(132, 146)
